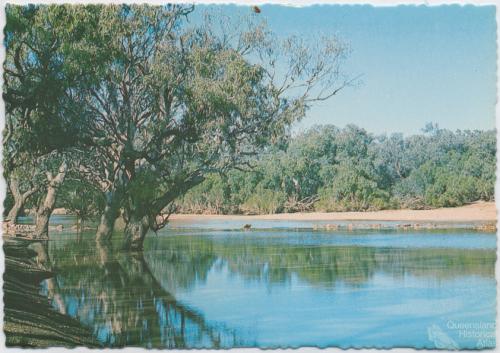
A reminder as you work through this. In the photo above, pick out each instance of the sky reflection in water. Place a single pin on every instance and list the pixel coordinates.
(207, 288)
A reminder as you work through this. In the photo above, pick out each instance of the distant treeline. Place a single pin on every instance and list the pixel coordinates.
(330, 169)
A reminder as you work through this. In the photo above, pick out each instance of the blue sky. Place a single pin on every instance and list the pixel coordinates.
(419, 64)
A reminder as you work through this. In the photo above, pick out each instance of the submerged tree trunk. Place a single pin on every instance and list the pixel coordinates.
(108, 217)
(138, 225)
(135, 232)
(47, 206)
(19, 199)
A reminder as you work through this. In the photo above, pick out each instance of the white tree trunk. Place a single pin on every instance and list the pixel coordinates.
(47, 206)
(19, 199)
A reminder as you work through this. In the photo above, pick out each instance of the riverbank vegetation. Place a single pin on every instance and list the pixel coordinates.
(332, 169)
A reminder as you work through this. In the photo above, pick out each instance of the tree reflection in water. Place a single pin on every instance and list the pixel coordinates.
(128, 298)
(176, 260)
(115, 293)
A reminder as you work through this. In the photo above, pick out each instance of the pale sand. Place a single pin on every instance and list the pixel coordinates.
(476, 212)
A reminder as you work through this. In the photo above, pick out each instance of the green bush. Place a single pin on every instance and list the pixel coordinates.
(211, 196)
(351, 170)
(264, 201)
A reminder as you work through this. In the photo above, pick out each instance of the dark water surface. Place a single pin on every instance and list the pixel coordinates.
(209, 288)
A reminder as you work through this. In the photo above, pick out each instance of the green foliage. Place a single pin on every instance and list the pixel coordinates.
(351, 170)
(81, 199)
(352, 190)
(212, 196)
(264, 201)
(452, 169)
(51, 51)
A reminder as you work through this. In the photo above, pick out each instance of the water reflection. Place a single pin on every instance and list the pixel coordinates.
(231, 290)
(177, 260)
(29, 320)
(115, 293)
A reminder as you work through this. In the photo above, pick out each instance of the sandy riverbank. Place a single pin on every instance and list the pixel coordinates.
(476, 212)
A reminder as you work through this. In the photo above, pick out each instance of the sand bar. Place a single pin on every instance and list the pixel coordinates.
(476, 212)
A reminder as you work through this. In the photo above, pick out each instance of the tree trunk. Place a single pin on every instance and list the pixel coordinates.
(19, 199)
(135, 232)
(137, 226)
(108, 217)
(47, 206)
(15, 211)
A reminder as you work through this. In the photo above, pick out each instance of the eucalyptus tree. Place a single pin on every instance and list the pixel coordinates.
(179, 102)
(47, 59)
(22, 184)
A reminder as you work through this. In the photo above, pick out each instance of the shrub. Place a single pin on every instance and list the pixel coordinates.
(264, 201)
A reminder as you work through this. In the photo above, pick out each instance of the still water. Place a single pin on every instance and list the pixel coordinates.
(196, 287)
